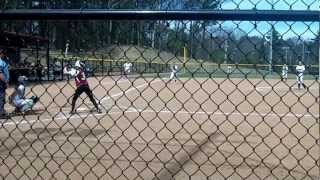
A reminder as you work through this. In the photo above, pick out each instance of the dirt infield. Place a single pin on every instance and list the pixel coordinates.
(151, 128)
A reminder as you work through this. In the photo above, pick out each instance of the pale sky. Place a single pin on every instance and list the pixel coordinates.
(306, 30)
(267, 4)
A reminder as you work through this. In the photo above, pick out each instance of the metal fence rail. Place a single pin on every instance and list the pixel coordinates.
(207, 95)
(89, 14)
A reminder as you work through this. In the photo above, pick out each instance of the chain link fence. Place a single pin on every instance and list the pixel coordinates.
(181, 97)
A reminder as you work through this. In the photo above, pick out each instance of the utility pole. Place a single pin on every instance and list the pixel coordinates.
(226, 51)
(286, 48)
(307, 58)
(271, 39)
(303, 53)
(270, 50)
(318, 39)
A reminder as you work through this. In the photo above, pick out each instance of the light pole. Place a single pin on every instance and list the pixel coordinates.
(271, 53)
(286, 48)
(307, 58)
(303, 53)
(226, 51)
(318, 39)
(269, 38)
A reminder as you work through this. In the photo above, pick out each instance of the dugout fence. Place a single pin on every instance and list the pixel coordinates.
(228, 116)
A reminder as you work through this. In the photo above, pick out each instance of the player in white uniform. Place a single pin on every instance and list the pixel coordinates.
(18, 99)
(173, 74)
(300, 70)
(285, 72)
(127, 68)
(229, 71)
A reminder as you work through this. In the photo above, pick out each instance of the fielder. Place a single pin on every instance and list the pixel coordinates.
(300, 70)
(173, 74)
(229, 71)
(285, 72)
(18, 100)
(82, 85)
(127, 68)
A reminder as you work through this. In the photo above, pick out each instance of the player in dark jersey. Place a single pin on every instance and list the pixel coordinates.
(82, 85)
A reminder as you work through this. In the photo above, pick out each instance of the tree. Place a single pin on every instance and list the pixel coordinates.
(277, 47)
(95, 34)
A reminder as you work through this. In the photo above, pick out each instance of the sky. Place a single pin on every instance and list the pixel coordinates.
(306, 30)
(267, 4)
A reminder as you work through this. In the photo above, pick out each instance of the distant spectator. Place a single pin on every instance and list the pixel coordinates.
(285, 72)
(57, 70)
(4, 81)
(69, 66)
(127, 68)
(32, 70)
(39, 69)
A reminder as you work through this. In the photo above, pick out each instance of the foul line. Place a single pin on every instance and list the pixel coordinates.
(128, 90)
(290, 114)
(262, 88)
(133, 110)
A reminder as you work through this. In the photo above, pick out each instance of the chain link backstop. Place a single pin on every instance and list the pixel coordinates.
(231, 110)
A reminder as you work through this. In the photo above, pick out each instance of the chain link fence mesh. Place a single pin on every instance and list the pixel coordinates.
(229, 112)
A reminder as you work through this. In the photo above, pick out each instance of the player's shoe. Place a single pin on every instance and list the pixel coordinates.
(96, 110)
(304, 86)
(16, 111)
(35, 99)
(4, 115)
(72, 112)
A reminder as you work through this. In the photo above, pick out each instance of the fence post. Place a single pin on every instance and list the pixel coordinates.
(62, 67)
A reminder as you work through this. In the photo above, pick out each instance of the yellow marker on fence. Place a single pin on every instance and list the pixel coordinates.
(185, 54)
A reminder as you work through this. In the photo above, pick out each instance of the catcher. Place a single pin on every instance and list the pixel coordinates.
(18, 100)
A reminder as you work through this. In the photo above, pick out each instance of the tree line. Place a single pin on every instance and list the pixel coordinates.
(205, 40)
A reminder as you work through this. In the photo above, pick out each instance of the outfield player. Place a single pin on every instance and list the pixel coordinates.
(300, 70)
(229, 71)
(173, 74)
(285, 72)
(18, 100)
(127, 68)
(82, 85)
